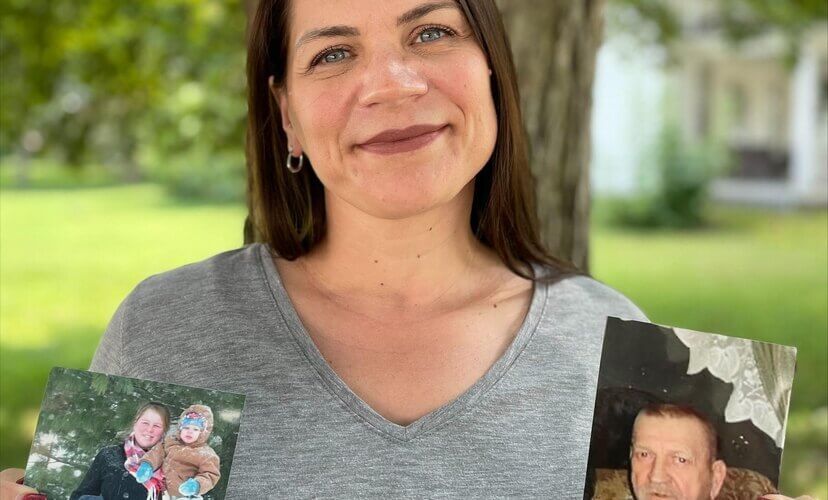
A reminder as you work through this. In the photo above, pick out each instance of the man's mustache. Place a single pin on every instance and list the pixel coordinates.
(658, 491)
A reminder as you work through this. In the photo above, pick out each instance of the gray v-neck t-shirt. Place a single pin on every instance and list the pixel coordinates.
(226, 323)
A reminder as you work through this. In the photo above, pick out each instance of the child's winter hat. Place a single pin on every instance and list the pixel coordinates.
(201, 416)
(194, 419)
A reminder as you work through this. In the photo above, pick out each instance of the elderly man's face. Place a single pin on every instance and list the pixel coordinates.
(670, 459)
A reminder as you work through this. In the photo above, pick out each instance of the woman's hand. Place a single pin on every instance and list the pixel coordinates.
(11, 486)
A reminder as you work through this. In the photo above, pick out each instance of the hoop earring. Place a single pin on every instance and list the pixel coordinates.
(289, 164)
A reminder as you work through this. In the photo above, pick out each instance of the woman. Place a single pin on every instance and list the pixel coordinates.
(109, 475)
(400, 330)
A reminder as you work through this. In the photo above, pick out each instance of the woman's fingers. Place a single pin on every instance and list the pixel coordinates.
(11, 487)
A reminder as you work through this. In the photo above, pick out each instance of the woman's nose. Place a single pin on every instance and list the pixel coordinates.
(391, 77)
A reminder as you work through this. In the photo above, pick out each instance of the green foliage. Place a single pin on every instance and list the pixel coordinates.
(743, 19)
(48, 174)
(676, 179)
(84, 412)
(739, 19)
(140, 86)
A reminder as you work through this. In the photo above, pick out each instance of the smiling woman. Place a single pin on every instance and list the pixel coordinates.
(397, 326)
(109, 474)
(417, 68)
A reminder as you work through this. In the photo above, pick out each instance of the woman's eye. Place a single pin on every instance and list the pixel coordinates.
(329, 55)
(337, 54)
(333, 55)
(439, 32)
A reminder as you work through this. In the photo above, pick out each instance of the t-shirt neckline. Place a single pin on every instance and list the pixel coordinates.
(431, 420)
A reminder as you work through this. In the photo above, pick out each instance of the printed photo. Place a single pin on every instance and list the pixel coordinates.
(106, 437)
(682, 414)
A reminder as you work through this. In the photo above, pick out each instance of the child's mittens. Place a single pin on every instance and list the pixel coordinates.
(189, 487)
(144, 472)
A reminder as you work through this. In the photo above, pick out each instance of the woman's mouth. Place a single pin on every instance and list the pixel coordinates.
(403, 145)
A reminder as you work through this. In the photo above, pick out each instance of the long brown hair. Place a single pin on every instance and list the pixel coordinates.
(287, 210)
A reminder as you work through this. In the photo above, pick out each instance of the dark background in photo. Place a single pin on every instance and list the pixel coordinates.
(83, 412)
(642, 363)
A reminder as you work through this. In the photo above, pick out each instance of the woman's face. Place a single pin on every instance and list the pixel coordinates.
(358, 68)
(148, 429)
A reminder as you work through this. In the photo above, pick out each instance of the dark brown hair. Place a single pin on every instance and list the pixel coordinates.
(686, 411)
(287, 210)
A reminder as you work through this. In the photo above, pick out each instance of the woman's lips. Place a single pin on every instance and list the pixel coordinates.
(403, 146)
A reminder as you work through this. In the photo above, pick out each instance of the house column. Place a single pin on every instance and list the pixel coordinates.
(804, 97)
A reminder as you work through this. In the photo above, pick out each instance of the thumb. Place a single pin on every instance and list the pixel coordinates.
(11, 484)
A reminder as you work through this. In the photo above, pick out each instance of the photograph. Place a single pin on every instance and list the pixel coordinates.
(687, 415)
(107, 437)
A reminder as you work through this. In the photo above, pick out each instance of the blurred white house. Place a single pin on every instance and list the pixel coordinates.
(771, 114)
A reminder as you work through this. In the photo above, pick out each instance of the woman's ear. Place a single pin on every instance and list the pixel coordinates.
(281, 98)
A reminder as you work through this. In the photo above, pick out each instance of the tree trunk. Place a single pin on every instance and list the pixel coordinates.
(554, 44)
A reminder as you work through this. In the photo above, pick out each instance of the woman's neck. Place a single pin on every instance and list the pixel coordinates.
(418, 263)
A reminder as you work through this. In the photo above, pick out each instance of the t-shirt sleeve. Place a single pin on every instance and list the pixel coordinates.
(603, 300)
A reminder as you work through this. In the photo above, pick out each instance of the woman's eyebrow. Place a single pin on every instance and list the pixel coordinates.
(407, 17)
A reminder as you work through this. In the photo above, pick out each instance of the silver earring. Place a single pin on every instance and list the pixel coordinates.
(289, 163)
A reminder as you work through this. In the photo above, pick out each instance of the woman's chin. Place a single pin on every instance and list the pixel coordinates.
(402, 207)
(146, 444)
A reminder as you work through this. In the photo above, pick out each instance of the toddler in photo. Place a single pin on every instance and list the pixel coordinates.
(190, 466)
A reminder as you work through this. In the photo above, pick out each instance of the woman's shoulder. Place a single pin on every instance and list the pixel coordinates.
(108, 454)
(218, 270)
(182, 303)
(584, 294)
(112, 449)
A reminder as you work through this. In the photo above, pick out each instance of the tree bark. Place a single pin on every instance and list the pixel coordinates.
(554, 44)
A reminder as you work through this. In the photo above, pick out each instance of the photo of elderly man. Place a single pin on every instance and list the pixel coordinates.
(674, 454)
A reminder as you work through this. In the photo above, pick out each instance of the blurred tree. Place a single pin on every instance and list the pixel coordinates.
(554, 46)
(739, 19)
(152, 87)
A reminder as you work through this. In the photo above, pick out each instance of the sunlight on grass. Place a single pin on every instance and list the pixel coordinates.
(754, 274)
(759, 275)
(69, 257)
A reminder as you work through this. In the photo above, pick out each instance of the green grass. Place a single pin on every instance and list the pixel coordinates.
(758, 274)
(68, 257)
(755, 274)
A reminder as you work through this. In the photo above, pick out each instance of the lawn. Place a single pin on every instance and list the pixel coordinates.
(67, 258)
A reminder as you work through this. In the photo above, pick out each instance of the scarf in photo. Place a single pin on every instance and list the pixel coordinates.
(155, 484)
